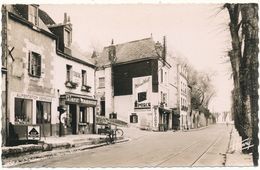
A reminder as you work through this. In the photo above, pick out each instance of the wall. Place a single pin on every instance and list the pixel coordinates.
(22, 38)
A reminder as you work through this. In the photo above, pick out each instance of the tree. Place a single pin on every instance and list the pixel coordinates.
(244, 62)
(202, 88)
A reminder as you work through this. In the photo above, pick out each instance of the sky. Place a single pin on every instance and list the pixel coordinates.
(198, 32)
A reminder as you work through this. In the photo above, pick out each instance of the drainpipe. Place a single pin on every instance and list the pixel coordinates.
(5, 55)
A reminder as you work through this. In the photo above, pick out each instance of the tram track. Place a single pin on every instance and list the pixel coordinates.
(183, 151)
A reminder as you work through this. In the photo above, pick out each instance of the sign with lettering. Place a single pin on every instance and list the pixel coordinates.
(34, 97)
(142, 90)
(81, 100)
(33, 132)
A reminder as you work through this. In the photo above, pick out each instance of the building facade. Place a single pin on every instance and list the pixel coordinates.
(42, 72)
(132, 82)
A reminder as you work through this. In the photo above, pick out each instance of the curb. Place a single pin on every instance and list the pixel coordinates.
(60, 150)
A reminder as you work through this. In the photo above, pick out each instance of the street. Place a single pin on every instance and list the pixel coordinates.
(204, 147)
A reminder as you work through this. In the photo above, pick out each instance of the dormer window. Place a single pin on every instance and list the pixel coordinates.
(33, 14)
(67, 38)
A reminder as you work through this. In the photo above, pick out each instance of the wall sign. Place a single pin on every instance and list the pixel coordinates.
(34, 97)
(81, 100)
(142, 91)
(33, 132)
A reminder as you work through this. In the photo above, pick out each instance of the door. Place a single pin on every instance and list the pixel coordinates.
(73, 118)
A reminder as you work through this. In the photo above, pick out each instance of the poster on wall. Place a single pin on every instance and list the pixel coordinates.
(142, 91)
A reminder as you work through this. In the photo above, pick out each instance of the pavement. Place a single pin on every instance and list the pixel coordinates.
(234, 155)
(58, 146)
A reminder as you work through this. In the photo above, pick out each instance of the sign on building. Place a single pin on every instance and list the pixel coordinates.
(33, 132)
(142, 90)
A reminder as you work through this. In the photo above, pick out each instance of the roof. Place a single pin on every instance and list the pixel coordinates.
(45, 21)
(129, 51)
(15, 9)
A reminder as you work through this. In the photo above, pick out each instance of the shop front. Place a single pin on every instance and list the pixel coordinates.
(30, 115)
(79, 117)
(164, 119)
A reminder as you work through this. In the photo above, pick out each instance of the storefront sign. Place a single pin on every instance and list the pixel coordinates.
(33, 132)
(142, 90)
(81, 100)
(34, 97)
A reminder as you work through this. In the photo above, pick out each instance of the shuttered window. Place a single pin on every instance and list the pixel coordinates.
(34, 64)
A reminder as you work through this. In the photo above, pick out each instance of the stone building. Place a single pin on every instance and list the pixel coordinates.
(42, 72)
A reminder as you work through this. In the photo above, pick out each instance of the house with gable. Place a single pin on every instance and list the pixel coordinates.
(43, 71)
(132, 84)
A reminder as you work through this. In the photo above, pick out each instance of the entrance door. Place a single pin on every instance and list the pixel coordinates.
(73, 118)
(165, 120)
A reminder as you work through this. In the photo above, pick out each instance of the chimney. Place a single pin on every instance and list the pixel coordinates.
(65, 18)
(164, 48)
(112, 51)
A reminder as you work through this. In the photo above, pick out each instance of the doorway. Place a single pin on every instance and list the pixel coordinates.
(73, 118)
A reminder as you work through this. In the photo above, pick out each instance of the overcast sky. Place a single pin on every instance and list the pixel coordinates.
(198, 32)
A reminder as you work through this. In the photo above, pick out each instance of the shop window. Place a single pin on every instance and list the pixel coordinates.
(142, 96)
(69, 72)
(34, 64)
(133, 118)
(101, 82)
(33, 14)
(23, 111)
(83, 115)
(43, 112)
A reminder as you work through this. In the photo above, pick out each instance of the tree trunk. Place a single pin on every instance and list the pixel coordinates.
(249, 13)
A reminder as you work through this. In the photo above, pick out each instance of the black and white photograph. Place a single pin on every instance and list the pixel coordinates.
(129, 84)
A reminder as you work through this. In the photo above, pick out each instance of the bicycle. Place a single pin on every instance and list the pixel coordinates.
(113, 134)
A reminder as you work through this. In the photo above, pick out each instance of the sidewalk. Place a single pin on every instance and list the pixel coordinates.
(234, 156)
(52, 146)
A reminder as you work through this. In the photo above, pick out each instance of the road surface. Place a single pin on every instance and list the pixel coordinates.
(205, 147)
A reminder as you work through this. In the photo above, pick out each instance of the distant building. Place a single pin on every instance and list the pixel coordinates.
(183, 99)
(133, 82)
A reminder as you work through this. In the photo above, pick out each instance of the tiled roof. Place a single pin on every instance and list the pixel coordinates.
(47, 20)
(129, 51)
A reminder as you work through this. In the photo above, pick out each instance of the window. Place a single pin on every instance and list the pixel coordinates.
(161, 75)
(101, 82)
(84, 77)
(69, 72)
(67, 40)
(23, 111)
(103, 108)
(34, 64)
(33, 14)
(142, 96)
(133, 118)
(43, 112)
(83, 115)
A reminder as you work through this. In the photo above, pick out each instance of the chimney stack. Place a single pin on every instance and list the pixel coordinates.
(65, 18)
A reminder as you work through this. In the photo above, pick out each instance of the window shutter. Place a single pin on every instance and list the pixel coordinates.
(29, 62)
(39, 66)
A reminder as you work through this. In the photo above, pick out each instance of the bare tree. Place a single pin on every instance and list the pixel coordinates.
(244, 61)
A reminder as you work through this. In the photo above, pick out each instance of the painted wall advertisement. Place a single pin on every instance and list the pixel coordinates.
(142, 91)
